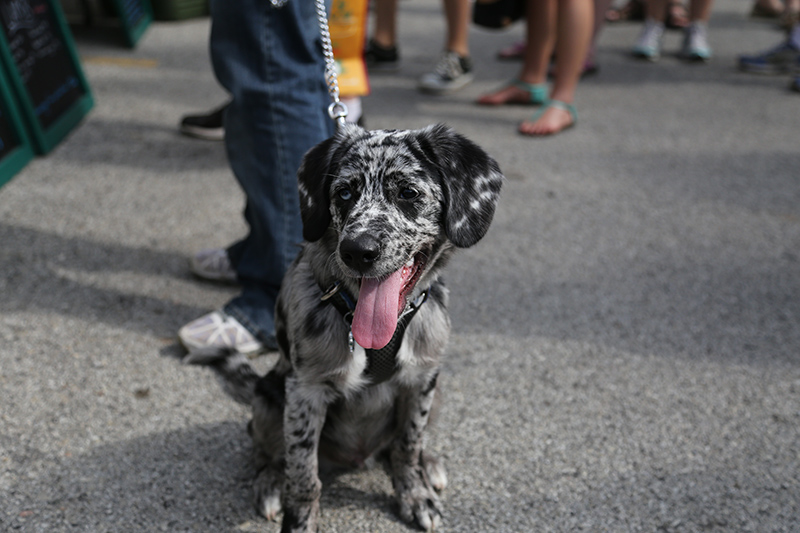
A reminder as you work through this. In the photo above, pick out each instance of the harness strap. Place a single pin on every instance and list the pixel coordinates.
(382, 363)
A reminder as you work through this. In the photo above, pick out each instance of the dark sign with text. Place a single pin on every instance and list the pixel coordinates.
(42, 65)
(15, 148)
(135, 16)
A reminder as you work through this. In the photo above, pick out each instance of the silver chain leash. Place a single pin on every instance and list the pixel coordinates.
(337, 110)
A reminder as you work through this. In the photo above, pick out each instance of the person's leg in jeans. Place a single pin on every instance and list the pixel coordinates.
(270, 61)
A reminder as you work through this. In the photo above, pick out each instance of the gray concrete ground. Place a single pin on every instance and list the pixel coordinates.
(626, 353)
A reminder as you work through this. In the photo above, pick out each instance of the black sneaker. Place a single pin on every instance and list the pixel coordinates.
(451, 73)
(380, 58)
(207, 126)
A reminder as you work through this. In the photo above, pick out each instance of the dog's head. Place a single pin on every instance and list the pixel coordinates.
(393, 200)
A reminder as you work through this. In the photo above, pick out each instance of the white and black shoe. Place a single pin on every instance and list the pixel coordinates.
(207, 126)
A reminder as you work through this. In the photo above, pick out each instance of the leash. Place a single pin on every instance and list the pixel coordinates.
(337, 110)
(381, 363)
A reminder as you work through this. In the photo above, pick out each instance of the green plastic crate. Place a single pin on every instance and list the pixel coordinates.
(179, 9)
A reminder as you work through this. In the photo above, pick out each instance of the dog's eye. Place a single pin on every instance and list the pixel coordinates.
(345, 194)
(408, 193)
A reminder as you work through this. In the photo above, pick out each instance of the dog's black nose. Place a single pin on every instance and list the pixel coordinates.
(359, 253)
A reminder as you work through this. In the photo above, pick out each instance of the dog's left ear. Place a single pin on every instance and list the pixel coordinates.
(471, 182)
(314, 180)
(312, 183)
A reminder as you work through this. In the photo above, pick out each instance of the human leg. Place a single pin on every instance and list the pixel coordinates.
(385, 33)
(648, 44)
(574, 30)
(540, 39)
(454, 68)
(700, 10)
(269, 60)
(601, 7)
(381, 53)
(457, 14)
(695, 42)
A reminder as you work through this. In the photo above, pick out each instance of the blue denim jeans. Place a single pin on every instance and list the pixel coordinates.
(271, 62)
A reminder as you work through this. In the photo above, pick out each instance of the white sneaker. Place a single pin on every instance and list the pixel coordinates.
(218, 330)
(695, 43)
(648, 45)
(214, 265)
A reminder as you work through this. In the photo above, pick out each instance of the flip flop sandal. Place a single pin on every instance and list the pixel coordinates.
(569, 108)
(537, 93)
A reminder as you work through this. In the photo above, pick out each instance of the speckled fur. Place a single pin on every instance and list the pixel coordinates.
(316, 404)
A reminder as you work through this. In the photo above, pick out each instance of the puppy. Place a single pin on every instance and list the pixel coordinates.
(361, 318)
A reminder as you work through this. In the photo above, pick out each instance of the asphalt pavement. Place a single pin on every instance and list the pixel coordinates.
(626, 345)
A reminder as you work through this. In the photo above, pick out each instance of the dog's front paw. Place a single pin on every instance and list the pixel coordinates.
(302, 518)
(418, 500)
(267, 493)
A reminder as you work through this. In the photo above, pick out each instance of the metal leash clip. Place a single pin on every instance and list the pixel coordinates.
(337, 110)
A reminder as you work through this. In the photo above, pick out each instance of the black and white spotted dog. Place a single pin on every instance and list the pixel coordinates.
(362, 317)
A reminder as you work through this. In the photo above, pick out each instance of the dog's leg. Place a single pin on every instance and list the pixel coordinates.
(266, 430)
(304, 416)
(416, 495)
(267, 486)
(267, 433)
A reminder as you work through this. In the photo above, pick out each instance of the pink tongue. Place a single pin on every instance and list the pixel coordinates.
(375, 317)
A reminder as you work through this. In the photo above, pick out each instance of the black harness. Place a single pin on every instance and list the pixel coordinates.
(382, 363)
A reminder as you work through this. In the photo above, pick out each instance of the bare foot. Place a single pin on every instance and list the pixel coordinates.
(515, 93)
(506, 95)
(551, 121)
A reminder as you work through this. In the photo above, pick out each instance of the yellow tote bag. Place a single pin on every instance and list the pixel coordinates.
(348, 26)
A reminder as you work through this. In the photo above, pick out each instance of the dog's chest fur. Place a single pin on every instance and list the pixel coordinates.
(318, 342)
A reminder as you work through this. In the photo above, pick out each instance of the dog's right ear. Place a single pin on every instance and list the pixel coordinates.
(471, 182)
(313, 180)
